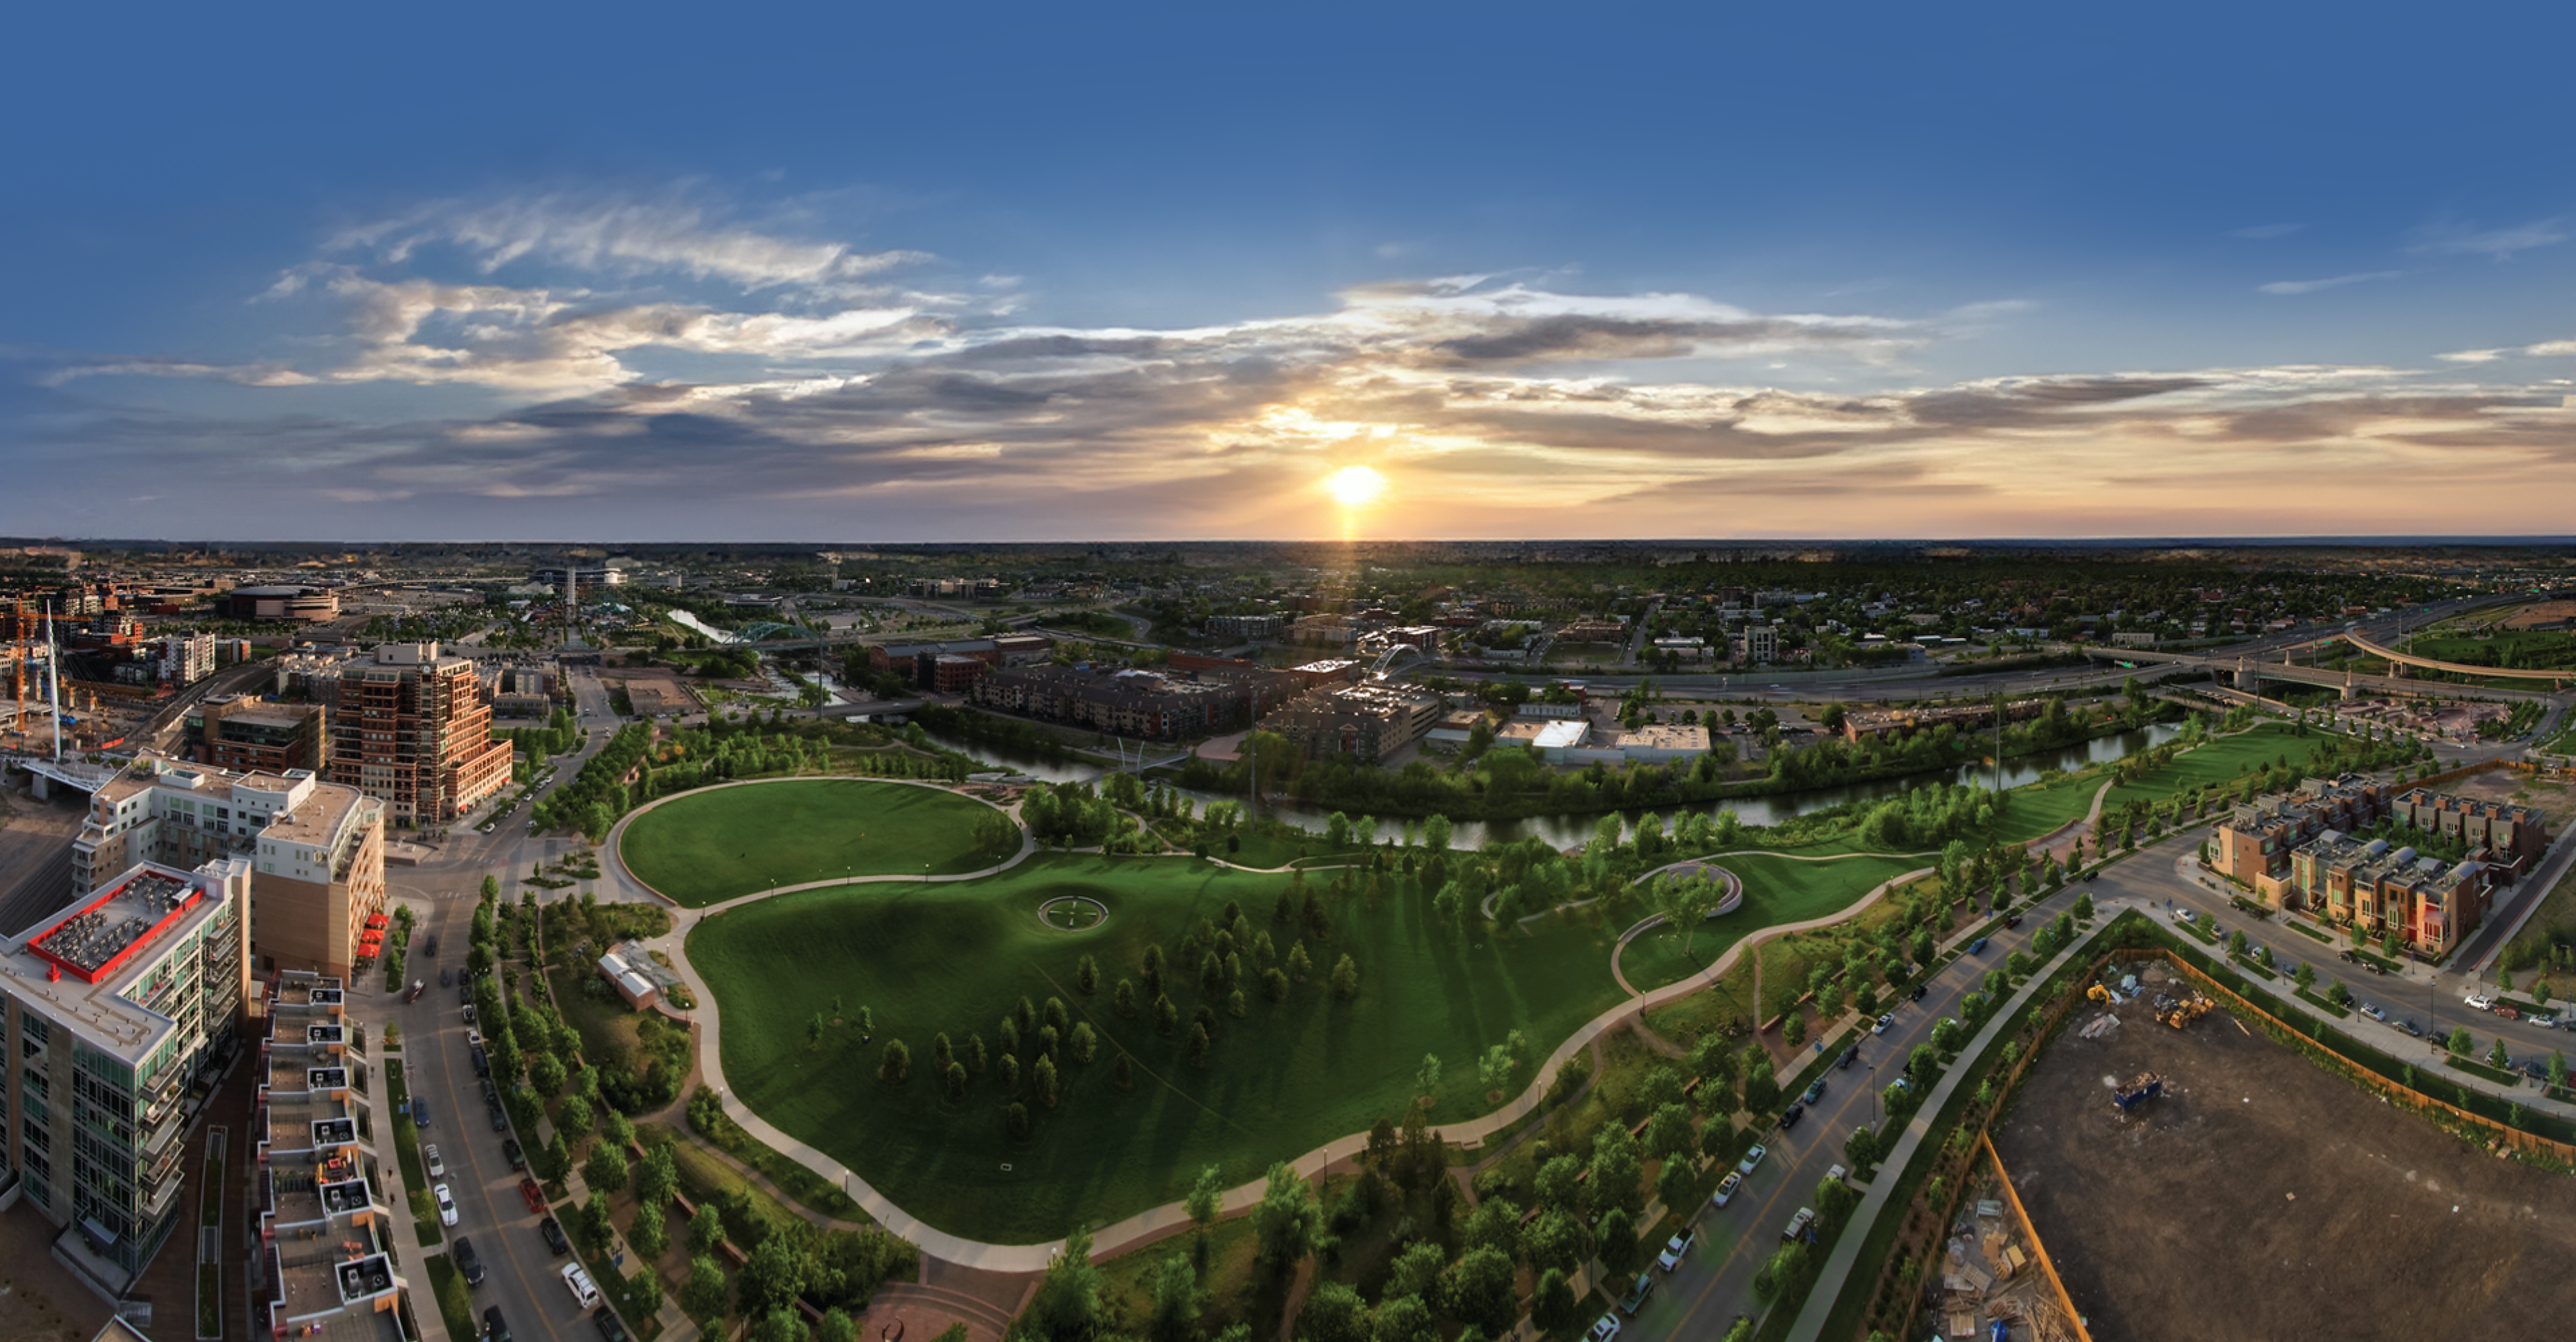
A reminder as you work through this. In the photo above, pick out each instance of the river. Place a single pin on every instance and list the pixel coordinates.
(1568, 830)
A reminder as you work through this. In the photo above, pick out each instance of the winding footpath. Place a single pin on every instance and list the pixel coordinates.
(1169, 1218)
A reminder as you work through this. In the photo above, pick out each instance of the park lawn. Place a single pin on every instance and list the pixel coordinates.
(2039, 808)
(1778, 888)
(954, 957)
(2221, 760)
(701, 848)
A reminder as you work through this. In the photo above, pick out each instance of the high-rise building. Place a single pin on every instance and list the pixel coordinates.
(326, 1227)
(116, 1004)
(247, 735)
(318, 850)
(414, 730)
(187, 659)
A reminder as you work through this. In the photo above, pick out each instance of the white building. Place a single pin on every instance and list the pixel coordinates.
(187, 659)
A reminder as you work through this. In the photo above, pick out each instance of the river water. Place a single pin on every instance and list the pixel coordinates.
(1568, 830)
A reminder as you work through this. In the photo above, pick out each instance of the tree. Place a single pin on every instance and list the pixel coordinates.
(2557, 1070)
(2236, 942)
(1067, 1304)
(1346, 978)
(2460, 1044)
(657, 1178)
(1206, 1200)
(546, 1073)
(647, 1232)
(1554, 1308)
(2084, 905)
(2338, 994)
(897, 1066)
(1861, 1148)
(2498, 1057)
(574, 1116)
(1333, 1313)
(1086, 1044)
(837, 1326)
(605, 1171)
(2305, 976)
(1195, 1047)
(1618, 1244)
(1793, 1028)
(1616, 1168)
(1173, 1284)
(593, 1219)
(706, 1230)
(703, 1298)
(1478, 1291)
(1401, 1318)
(1124, 998)
(1287, 1221)
(1044, 1075)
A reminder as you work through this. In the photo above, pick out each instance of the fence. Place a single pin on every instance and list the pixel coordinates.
(2038, 1246)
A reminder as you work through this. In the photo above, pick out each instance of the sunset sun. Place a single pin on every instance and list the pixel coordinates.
(1352, 486)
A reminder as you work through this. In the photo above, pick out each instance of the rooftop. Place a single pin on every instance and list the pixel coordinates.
(93, 940)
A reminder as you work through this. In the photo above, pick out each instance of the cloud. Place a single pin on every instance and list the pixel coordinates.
(621, 234)
(2266, 232)
(2547, 349)
(2460, 239)
(2290, 287)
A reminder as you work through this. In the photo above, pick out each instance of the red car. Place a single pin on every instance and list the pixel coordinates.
(534, 1196)
(2507, 1012)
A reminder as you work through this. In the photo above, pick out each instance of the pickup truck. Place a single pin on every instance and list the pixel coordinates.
(533, 1195)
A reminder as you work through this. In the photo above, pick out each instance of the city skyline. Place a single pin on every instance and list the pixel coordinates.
(921, 278)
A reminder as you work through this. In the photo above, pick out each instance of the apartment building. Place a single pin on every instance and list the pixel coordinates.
(1137, 703)
(117, 1005)
(2254, 843)
(247, 735)
(1362, 722)
(1757, 642)
(414, 730)
(2429, 903)
(328, 1264)
(317, 850)
(187, 659)
(2508, 837)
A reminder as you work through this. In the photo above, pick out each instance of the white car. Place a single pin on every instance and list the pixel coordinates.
(1752, 1160)
(2544, 1022)
(2372, 1010)
(1726, 1189)
(446, 1204)
(1880, 1025)
(2479, 1002)
(437, 1167)
(1606, 1328)
(1674, 1248)
(1837, 1174)
(578, 1282)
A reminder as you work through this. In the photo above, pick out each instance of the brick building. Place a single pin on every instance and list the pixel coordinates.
(414, 730)
(1137, 703)
(1361, 722)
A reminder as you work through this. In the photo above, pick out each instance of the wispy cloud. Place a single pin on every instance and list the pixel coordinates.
(2292, 287)
(2453, 238)
(2547, 349)
(2267, 231)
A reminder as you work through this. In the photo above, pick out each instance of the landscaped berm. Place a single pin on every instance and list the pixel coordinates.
(1316, 1052)
(702, 848)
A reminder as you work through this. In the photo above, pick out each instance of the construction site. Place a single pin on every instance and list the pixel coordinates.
(2187, 1174)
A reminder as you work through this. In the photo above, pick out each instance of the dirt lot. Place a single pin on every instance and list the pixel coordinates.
(2263, 1198)
(2556, 800)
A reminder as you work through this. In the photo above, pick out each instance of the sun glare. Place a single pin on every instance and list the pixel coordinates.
(1352, 486)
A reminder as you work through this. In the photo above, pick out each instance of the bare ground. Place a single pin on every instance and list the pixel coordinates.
(2264, 1198)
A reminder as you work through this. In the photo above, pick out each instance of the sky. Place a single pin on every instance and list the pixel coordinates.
(1012, 272)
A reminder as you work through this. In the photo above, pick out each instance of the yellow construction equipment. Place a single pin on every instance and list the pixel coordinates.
(2184, 1013)
(2099, 994)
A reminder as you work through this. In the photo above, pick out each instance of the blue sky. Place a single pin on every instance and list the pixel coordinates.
(1037, 272)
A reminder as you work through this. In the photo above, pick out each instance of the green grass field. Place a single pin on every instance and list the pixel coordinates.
(1777, 889)
(705, 847)
(1284, 1079)
(2219, 761)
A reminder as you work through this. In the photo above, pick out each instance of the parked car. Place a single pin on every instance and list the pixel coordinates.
(578, 1282)
(1917, 994)
(2410, 1027)
(1726, 1189)
(469, 1013)
(554, 1237)
(469, 1262)
(2013, 921)
(437, 1167)
(446, 1204)
(1638, 1290)
(1752, 1159)
(420, 1113)
(1674, 1248)
(429, 948)
(1977, 947)
(605, 1320)
(494, 1330)
(464, 994)
(510, 1148)
(500, 1118)
(2479, 1002)
(1837, 1173)
(473, 1037)
(1798, 1224)
(2372, 1010)
(1880, 1025)
(2508, 1011)
(533, 1195)
(447, 978)
(1815, 1092)
(482, 1061)
(2544, 1022)
(1605, 1328)
(1790, 1116)
(1850, 1055)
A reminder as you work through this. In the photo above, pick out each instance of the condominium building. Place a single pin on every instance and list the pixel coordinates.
(1757, 642)
(2429, 903)
(414, 730)
(317, 848)
(117, 1004)
(248, 735)
(2501, 834)
(328, 1248)
(2254, 843)
(1363, 722)
(187, 659)
(1137, 703)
